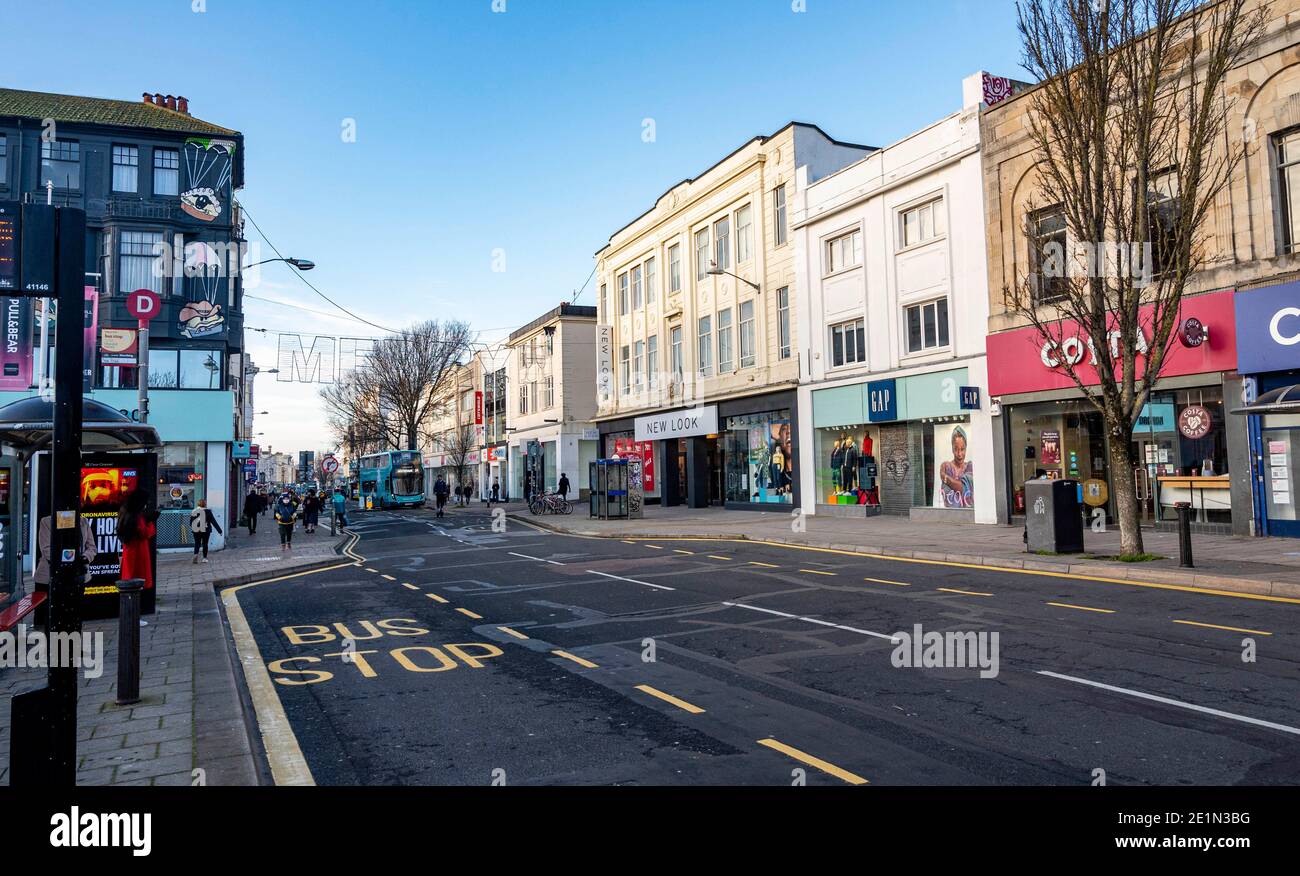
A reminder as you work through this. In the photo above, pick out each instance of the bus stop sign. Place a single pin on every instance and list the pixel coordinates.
(143, 304)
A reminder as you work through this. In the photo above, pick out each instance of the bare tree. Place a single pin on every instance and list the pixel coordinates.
(403, 383)
(1130, 126)
(458, 444)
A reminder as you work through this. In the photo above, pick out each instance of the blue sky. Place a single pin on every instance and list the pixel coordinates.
(479, 131)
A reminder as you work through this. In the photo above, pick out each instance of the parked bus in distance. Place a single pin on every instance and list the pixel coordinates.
(395, 478)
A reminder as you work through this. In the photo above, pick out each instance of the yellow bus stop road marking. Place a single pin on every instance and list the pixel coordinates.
(887, 581)
(468, 613)
(804, 757)
(575, 658)
(718, 557)
(436, 598)
(964, 592)
(1082, 607)
(817, 572)
(1218, 627)
(510, 632)
(669, 698)
(409, 586)
(388, 577)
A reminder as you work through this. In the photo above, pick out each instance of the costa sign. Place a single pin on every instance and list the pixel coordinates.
(1268, 328)
(1022, 361)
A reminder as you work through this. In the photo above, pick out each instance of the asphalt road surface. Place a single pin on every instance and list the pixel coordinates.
(456, 653)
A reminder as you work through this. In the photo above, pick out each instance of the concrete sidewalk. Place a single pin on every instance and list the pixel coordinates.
(1265, 566)
(190, 717)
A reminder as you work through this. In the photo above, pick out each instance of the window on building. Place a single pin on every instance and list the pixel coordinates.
(637, 300)
(166, 172)
(674, 268)
(927, 325)
(848, 343)
(126, 169)
(1286, 147)
(722, 242)
(744, 234)
(548, 393)
(701, 253)
(523, 401)
(61, 163)
(778, 212)
(921, 223)
(652, 360)
(604, 301)
(783, 321)
(138, 262)
(675, 341)
(4, 160)
(651, 280)
(747, 334)
(200, 369)
(625, 360)
(1163, 210)
(638, 365)
(724, 341)
(1047, 254)
(844, 252)
(622, 294)
(704, 350)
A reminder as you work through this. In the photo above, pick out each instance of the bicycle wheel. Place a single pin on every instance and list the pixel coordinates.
(536, 506)
(566, 507)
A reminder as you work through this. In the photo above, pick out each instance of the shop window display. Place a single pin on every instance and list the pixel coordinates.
(759, 454)
(847, 470)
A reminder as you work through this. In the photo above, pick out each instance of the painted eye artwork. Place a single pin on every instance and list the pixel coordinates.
(208, 167)
(201, 204)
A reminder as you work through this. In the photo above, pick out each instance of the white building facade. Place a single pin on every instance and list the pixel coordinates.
(891, 266)
(553, 399)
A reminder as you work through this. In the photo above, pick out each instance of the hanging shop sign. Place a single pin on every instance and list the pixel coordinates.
(1194, 422)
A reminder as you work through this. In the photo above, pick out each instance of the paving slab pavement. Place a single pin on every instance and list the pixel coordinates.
(190, 725)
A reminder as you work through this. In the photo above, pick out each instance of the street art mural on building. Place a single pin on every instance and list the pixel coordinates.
(205, 277)
(208, 168)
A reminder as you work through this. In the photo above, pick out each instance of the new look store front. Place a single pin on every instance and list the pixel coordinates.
(738, 454)
(1185, 447)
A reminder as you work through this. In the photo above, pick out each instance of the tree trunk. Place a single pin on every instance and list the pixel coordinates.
(1124, 486)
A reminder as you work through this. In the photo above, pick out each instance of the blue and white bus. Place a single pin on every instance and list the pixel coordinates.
(395, 478)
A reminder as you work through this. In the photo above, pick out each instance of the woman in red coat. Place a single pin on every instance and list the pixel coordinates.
(135, 529)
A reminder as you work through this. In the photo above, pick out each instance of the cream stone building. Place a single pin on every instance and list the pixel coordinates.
(1240, 473)
(697, 356)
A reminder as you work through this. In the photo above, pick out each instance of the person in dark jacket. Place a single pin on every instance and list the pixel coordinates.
(285, 512)
(252, 508)
(202, 522)
(440, 494)
(311, 508)
(563, 486)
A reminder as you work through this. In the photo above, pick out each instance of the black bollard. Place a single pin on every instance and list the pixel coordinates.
(1184, 534)
(128, 641)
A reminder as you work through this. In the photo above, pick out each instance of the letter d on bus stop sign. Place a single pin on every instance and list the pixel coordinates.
(143, 304)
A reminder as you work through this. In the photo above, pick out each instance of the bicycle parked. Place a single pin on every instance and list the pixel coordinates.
(550, 503)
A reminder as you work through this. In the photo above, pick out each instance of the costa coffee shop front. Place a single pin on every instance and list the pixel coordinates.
(1185, 447)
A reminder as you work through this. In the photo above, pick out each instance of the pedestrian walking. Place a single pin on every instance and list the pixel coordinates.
(340, 508)
(563, 487)
(285, 513)
(311, 507)
(202, 522)
(252, 508)
(496, 491)
(528, 487)
(136, 526)
(440, 494)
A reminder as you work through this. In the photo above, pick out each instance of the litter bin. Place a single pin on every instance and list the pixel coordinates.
(1053, 518)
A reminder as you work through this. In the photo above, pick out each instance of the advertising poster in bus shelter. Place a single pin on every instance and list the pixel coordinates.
(106, 480)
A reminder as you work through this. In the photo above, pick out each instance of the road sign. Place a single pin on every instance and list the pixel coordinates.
(329, 465)
(143, 304)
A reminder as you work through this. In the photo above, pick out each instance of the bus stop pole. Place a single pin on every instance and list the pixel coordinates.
(65, 468)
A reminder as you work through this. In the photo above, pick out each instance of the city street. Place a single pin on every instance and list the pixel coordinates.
(453, 653)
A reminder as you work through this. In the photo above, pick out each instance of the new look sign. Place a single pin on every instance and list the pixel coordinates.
(1268, 328)
(678, 424)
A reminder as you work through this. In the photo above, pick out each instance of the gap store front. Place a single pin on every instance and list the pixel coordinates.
(916, 445)
(1268, 357)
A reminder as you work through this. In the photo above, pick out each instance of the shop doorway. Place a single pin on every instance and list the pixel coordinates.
(717, 474)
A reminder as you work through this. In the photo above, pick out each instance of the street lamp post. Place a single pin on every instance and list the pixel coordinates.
(715, 271)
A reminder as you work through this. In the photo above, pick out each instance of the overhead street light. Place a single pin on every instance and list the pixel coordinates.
(300, 264)
(715, 271)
